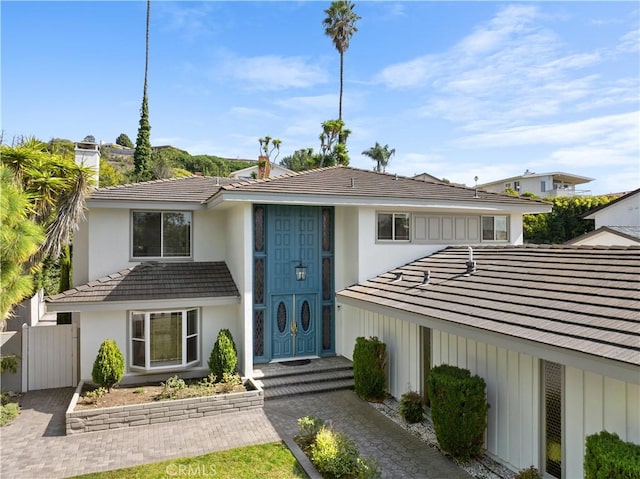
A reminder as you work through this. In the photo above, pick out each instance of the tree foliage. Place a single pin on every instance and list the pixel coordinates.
(142, 155)
(224, 355)
(381, 155)
(124, 140)
(340, 25)
(108, 368)
(333, 144)
(301, 160)
(109, 176)
(20, 239)
(565, 222)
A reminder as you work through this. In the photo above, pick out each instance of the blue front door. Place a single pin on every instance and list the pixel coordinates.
(293, 239)
(292, 317)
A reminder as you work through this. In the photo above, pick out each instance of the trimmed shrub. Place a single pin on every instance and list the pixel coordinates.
(411, 408)
(608, 456)
(369, 368)
(334, 454)
(528, 473)
(458, 410)
(224, 356)
(108, 368)
(8, 412)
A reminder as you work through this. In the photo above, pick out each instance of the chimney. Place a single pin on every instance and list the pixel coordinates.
(264, 167)
(88, 154)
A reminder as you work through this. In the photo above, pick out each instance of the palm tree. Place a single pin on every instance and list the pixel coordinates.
(340, 25)
(381, 155)
(142, 154)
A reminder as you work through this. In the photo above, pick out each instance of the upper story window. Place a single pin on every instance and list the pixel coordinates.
(161, 234)
(495, 228)
(393, 226)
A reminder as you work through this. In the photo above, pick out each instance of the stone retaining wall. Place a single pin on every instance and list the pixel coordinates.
(89, 420)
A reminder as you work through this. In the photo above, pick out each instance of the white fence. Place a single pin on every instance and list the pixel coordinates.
(50, 356)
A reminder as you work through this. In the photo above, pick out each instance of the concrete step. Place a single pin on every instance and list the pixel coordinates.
(325, 374)
(315, 377)
(307, 388)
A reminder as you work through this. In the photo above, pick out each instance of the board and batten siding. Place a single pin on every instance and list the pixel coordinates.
(596, 403)
(401, 337)
(513, 393)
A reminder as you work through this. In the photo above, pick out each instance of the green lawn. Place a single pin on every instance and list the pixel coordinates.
(272, 460)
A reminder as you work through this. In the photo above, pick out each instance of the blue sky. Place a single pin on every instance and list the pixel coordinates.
(459, 89)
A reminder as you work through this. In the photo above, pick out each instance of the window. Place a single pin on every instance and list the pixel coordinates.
(165, 234)
(553, 413)
(494, 228)
(393, 226)
(543, 186)
(164, 339)
(516, 186)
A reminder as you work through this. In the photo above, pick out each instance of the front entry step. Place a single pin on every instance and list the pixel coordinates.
(326, 374)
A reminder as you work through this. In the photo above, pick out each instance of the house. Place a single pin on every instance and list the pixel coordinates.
(252, 171)
(285, 263)
(617, 222)
(553, 330)
(547, 185)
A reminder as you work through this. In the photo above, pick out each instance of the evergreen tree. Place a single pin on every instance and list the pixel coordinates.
(142, 155)
(124, 140)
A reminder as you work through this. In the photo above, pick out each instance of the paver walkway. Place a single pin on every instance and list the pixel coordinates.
(34, 445)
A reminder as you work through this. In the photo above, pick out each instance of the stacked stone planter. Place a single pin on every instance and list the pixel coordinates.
(89, 420)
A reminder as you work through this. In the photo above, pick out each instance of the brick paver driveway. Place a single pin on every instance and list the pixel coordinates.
(34, 445)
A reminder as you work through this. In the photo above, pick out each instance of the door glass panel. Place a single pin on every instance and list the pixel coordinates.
(282, 317)
(305, 316)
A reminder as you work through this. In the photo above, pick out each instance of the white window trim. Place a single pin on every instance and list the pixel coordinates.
(494, 240)
(393, 226)
(147, 340)
(132, 257)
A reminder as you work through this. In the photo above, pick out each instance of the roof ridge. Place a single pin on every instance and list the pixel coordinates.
(160, 180)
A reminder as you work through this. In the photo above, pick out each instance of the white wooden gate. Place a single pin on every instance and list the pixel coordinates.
(52, 356)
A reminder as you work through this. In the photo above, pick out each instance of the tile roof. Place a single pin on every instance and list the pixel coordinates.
(149, 281)
(632, 231)
(585, 299)
(330, 182)
(192, 189)
(356, 183)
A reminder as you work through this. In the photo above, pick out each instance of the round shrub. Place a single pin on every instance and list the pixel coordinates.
(108, 368)
(334, 454)
(411, 408)
(224, 356)
(458, 410)
(369, 368)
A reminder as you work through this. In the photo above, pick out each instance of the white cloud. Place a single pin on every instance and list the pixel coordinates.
(605, 127)
(630, 42)
(245, 112)
(317, 103)
(272, 72)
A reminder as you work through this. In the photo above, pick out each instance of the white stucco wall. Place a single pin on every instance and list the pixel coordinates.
(239, 238)
(606, 238)
(95, 327)
(346, 246)
(210, 236)
(625, 212)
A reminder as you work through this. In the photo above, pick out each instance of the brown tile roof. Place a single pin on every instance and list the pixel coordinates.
(331, 182)
(191, 189)
(356, 183)
(149, 281)
(580, 298)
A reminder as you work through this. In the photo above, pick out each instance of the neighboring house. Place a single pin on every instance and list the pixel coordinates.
(553, 330)
(252, 172)
(547, 185)
(616, 223)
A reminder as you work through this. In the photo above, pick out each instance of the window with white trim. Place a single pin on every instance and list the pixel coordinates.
(164, 339)
(161, 234)
(495, 228)
(393, 227)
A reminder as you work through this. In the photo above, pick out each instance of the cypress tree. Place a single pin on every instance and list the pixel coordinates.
(142, 155)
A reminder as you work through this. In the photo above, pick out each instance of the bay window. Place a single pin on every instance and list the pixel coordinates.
(161, 234)
(164, 339)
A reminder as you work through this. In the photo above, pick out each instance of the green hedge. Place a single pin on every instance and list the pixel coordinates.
(369, 368)
(458, 410)
(607, 457)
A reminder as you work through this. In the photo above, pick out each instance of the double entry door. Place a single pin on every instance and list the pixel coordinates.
(293, 303)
